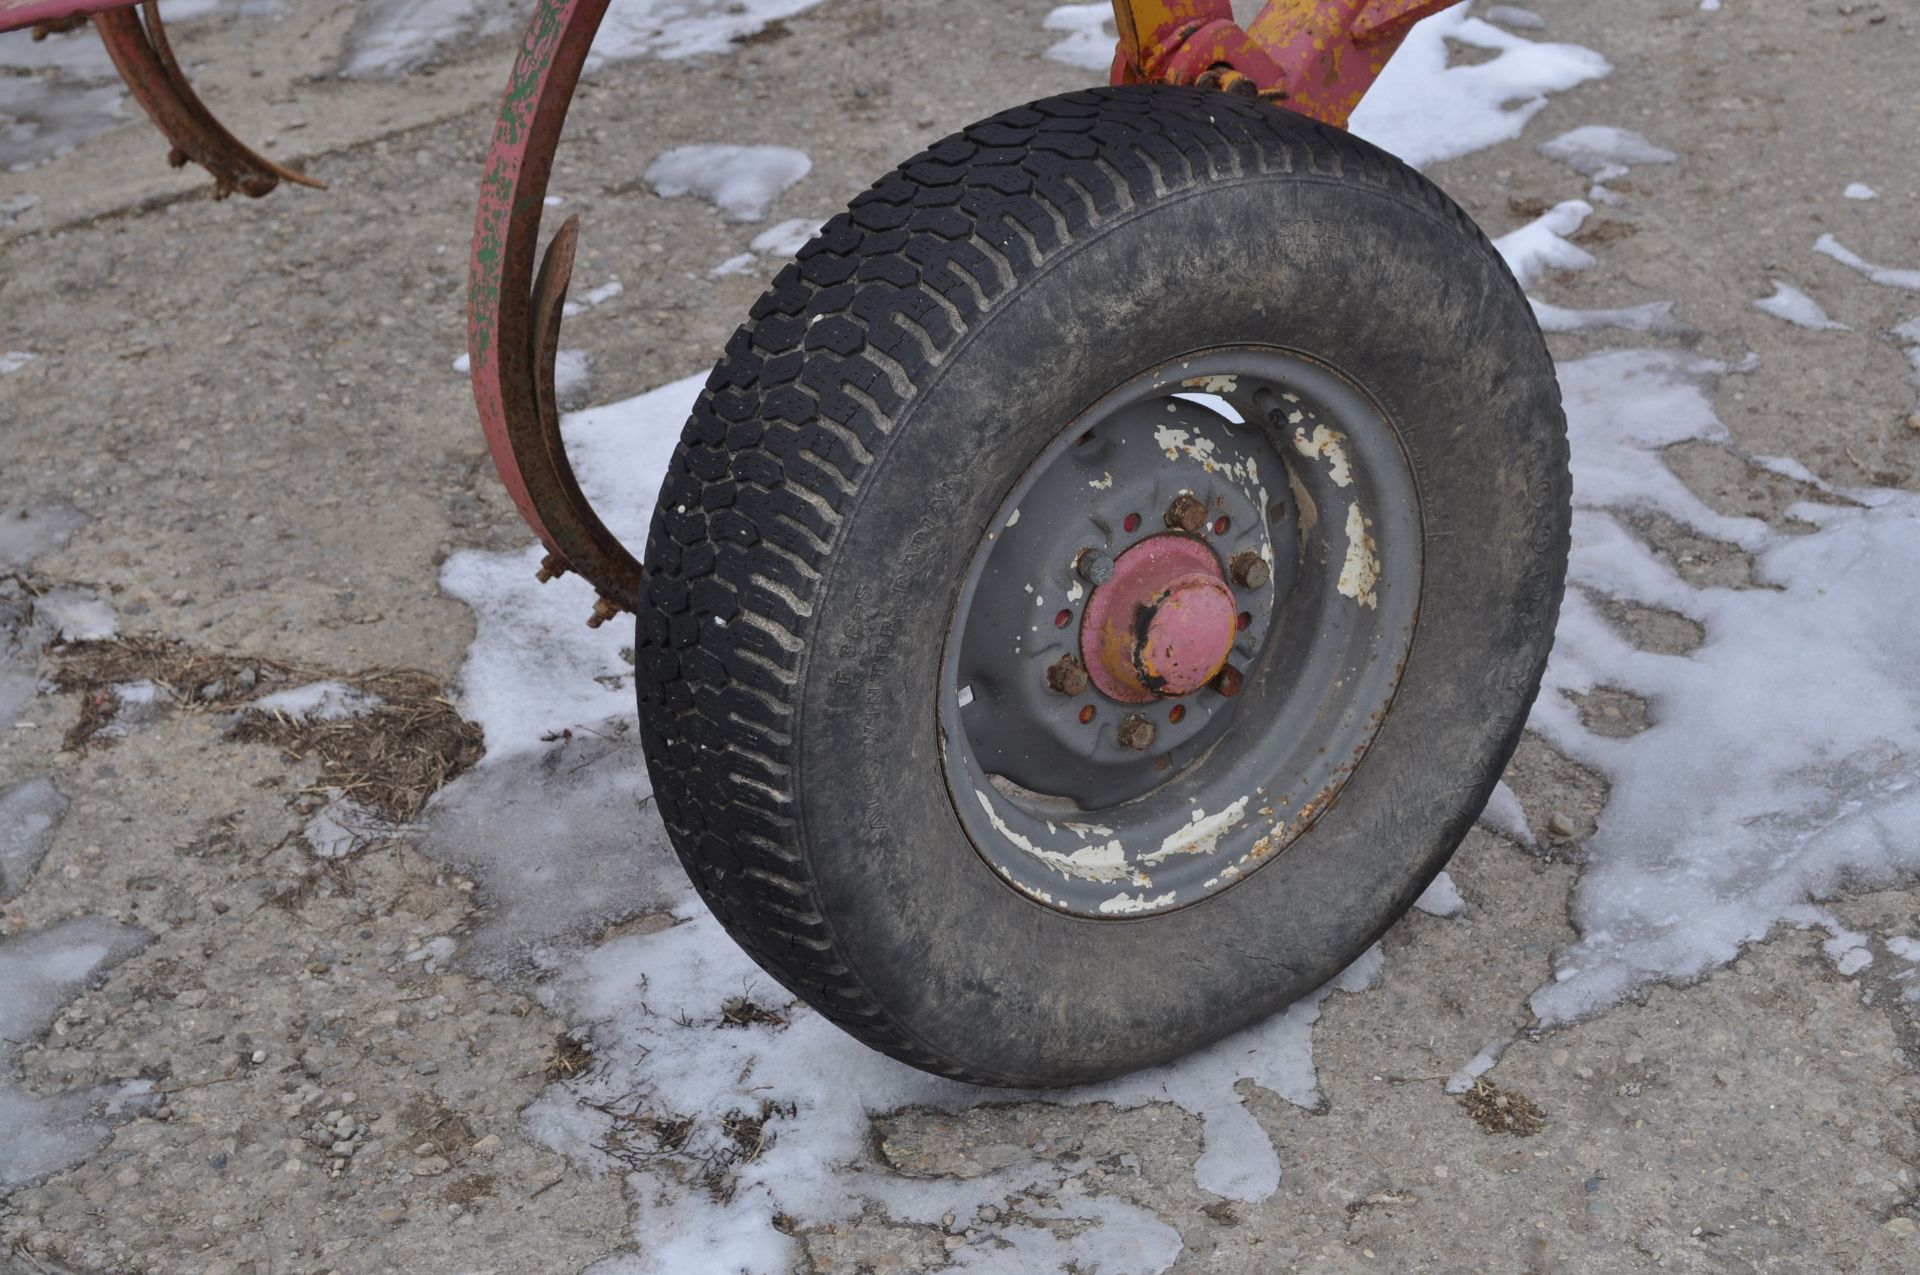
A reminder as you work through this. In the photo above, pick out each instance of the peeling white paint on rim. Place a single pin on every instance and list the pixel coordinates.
(1361, 572)
(1328, 443)
(1200, 836)
(1107, 862)
(1216, 384)
(1124, 904)
(1103, 482)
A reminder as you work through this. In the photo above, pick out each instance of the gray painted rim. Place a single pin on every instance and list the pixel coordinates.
(1294, 462)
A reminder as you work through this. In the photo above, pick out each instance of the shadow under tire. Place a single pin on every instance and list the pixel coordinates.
(842, 722)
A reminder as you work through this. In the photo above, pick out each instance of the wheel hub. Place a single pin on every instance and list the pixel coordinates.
(1163, 625)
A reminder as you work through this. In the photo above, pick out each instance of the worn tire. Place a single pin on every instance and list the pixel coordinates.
(858, 434)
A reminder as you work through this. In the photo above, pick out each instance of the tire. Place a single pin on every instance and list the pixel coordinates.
(814, 532)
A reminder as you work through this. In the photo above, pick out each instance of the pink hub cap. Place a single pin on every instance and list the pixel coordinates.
(1162, 626)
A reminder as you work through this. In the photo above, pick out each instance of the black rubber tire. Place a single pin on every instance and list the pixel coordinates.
(861, 430)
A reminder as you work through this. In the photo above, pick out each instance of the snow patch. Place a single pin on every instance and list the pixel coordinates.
(1425, 111)
(1506, 816)
(30, 814)
(342, 827)
(1741, 806)
(43, 970)
(593, 298)
(1888, 276)
(391, 37)
(572, 376)
(78, 615)
(1603, 152)
(319, 702)
(787, 238)
(1090, 36)
(741, 181)
(1860, 190)
(13, 360)
(741, 264)
(1797, 308)
(1442, 898)
(1516, 19)
(30, 532)
(1479, 1065)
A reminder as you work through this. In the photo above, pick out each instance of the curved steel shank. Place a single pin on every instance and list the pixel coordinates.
(513, 323)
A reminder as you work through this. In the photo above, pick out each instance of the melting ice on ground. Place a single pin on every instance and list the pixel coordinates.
(741, 181)
(42, 971)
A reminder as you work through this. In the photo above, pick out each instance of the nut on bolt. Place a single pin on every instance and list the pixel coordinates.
(1093, 566)
(1136, 732)
(1250, 570)
(552, 567)
(603, 610)
(1067, 676)
(1186, 513)
(1228, 681)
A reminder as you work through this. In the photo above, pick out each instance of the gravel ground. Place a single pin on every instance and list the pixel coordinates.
(253, 406)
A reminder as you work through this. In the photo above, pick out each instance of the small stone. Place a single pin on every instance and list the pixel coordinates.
(335, 1116)
(391, 1215)
(953, 1242)
(1744, 966)
(426, 1067)
(488, 1145)
(988, 1213)
(192, 998)
(1634, 1056)
(1559, 825)
(259, 1056)
(1902, 1225)
(1561, 1057)
(432, 1165)
(343, 1148)
(1913, 421)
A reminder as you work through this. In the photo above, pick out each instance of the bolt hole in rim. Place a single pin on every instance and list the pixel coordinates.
(1218, 678)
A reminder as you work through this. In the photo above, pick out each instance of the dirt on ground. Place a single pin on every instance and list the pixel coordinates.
(253, 409)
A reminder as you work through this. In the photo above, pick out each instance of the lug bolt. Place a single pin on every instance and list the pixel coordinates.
(1186, 513)
(1067, 676)
(1250, 570)
(552, 567)
(603, 610)
(1229, 681)
(1094, 566)
(1136, 732)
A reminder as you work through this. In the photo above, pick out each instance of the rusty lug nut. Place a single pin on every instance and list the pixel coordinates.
(603, 610)
(1229, 681)
(1094, 566)
(1186, 513)
(551, 568)
(1136, 732)
(1067, 676)
(1250, 570)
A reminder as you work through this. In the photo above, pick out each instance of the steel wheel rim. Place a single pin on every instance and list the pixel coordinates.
(1049, 778)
